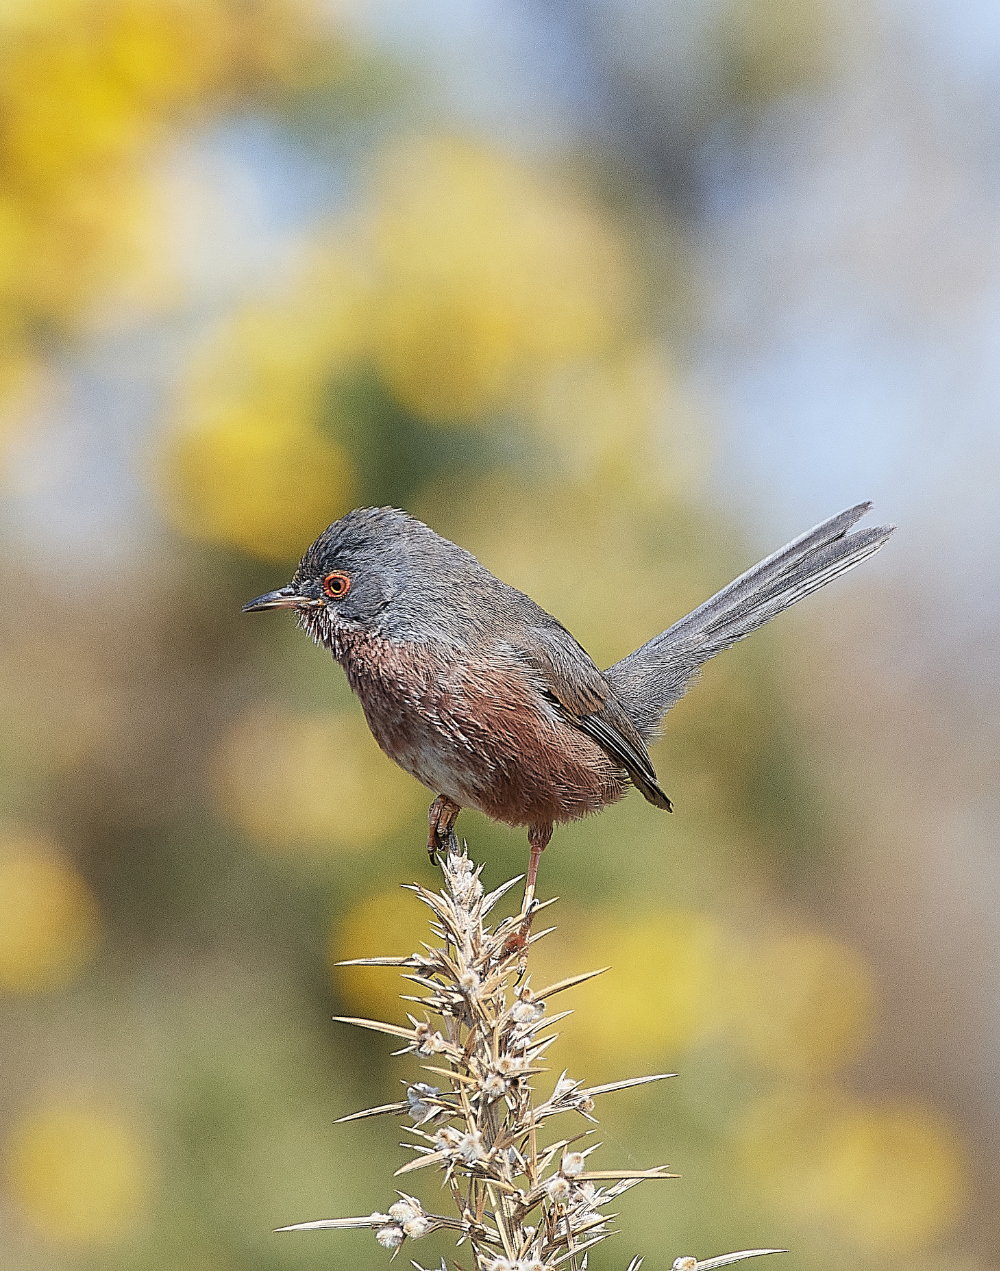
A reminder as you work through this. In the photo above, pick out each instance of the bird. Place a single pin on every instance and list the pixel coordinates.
(487, 699)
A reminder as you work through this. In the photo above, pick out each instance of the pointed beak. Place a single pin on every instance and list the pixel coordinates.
(283, 598)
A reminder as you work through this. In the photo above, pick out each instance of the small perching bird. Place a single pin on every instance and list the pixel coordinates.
(487, 699)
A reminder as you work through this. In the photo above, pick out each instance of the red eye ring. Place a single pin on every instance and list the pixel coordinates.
(337, 585)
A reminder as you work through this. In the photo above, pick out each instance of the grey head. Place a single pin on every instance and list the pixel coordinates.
(382, 571)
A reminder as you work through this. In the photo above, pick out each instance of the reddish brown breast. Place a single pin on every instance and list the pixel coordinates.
(477, 729)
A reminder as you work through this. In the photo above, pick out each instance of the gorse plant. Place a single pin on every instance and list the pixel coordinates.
(520, 1203)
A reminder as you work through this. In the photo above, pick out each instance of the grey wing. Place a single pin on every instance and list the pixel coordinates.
(633, 758)
(654, 677)
(584, 699)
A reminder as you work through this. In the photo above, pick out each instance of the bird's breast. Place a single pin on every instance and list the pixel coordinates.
(473, 725)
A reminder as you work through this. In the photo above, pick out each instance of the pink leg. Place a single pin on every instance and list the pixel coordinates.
(538, 837)
(517, 941)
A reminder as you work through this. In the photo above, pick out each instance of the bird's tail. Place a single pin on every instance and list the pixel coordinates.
(654, 677)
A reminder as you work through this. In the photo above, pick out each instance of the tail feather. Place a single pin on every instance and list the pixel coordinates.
(654, 677)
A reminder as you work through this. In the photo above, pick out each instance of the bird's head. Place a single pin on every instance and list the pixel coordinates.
(375, 570)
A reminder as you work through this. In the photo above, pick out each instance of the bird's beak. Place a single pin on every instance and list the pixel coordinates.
(283, 598)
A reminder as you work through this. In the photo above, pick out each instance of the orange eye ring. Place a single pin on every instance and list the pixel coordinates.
(337, 585)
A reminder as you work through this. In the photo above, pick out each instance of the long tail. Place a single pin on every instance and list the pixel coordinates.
(650, 680)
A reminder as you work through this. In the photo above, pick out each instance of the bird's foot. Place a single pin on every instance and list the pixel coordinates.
(441, 835)
(519, 940)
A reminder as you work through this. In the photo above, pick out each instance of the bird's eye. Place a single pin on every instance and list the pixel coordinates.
(336, 585)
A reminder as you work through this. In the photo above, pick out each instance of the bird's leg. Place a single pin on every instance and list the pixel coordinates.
(538, 837)
(517, 942)
(441, 821)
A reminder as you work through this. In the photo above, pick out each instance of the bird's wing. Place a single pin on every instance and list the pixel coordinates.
(633, 758)
(586, 700)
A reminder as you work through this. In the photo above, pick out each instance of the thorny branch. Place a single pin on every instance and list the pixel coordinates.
(520, 1205)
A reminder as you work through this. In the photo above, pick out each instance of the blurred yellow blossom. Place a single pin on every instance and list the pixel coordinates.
(797, 1004)
(472, 285)
(389, 923)
(491, 275)
(292, 780)
(889, 1176)
(49, 922)
(800, 1003)
(78, 1171)
(896, 1172)
(88, 89)
(661, 993)
(245, 461)
(264, 483)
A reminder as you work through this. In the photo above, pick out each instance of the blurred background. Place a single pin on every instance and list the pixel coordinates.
(621, 296)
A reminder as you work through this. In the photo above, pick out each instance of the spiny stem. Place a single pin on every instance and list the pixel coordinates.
(483, 1024)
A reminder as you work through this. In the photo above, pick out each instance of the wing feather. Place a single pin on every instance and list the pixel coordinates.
(586, 701)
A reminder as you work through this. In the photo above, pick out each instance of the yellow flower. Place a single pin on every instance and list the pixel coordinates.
(78, 1171)
(659, 996)
(88, 89)
(49, 923)
(490, 277)
(889, 1176)
(245, 461)
(391, 923)
(265, 484)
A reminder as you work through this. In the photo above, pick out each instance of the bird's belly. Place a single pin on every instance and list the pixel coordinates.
(433, 764)
(503, 750)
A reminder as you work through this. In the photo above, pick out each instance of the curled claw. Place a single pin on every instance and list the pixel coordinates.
(441, 826)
